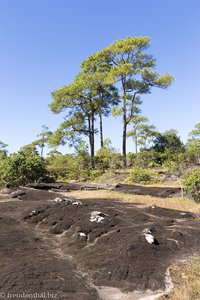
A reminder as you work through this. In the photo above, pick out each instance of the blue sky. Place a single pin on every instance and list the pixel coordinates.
(42, 43)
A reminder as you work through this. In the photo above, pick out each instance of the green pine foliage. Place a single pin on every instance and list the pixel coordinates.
(112, 79)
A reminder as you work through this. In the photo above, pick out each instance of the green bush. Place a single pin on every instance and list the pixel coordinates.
(95, 174)
(147, 159)
(59, 165)
(21, 168)
(191, 182)
(139, 175)
(107, 157)
(69, 166)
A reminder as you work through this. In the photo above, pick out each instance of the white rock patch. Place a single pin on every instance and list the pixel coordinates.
(82, 234)
(76, 202)
(98, 217)
(67, 201)
(149, 237)
(34, 213)
(57, 200)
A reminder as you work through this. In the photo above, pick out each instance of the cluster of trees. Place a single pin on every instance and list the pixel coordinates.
(111, 80)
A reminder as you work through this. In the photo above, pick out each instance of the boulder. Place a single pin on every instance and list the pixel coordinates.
(17, 193)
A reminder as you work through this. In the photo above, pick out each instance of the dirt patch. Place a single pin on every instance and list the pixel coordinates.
(67, 249)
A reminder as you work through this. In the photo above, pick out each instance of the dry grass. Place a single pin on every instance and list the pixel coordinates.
(173, 184)
(4, 190)
(186, 280)
(172, 203)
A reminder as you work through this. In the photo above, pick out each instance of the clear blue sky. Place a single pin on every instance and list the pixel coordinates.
(42, 43)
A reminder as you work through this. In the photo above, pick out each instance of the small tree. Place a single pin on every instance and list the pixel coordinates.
(43, 139)
(148, 133)
(141, 131)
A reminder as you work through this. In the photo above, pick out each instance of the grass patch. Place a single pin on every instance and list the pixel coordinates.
(186, 279)
(184, 204)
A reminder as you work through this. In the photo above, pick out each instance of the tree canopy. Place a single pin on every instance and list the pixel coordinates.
(168, 140)
(126, 64)
(115, 76)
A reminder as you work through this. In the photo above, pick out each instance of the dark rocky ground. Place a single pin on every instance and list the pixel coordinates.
(162, 192)
(44, 251)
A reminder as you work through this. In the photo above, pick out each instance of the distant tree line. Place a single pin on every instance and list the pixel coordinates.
(160, 150)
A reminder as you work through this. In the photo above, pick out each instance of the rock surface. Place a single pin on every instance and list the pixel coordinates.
(119, 187)
(53, 248)
(17, 193)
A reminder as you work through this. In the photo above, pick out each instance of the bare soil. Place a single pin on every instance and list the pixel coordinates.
(44, 252)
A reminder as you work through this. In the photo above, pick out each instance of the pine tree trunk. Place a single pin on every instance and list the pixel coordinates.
(124, 141)
(124, 129)
(42, 150)
(124, 144)
(92, 141)
(136, 145)
(101, 129)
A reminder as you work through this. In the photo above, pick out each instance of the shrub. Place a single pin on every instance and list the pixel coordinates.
(21, 168)
(191, 182)
(59, 165)
(139, 175)
(67, 167)
(130, 159)
(147, 159)
(107, 157)
(95, 174)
